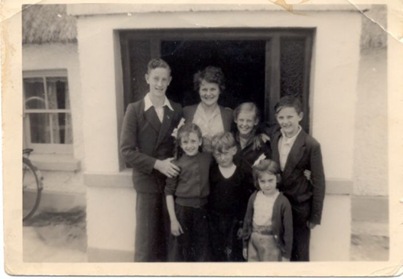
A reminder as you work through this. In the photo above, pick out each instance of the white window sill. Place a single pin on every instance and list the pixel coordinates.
(55, 162)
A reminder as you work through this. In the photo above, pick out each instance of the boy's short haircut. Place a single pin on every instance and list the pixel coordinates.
(188, 128)
(223, 141)
(289, 101)
(157, 63)
(210, 74)
(265, 166)
(248, 107)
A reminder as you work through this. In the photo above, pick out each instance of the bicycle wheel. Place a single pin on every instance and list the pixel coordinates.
(32, 188)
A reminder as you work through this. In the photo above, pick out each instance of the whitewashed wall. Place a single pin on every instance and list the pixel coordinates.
(110, 201)
(54, 57)
(62, 173)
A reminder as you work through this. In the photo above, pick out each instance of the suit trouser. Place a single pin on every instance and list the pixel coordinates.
(301, 232)
(152, 228)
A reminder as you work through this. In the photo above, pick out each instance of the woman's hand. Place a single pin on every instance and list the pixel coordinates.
(167, 168)
(176, 228)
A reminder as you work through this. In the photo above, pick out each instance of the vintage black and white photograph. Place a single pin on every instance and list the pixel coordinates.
(237, 136)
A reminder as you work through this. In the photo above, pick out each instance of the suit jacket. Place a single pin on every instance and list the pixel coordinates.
(281, 223)
(305, 154)
(144, 139)
(226, 115)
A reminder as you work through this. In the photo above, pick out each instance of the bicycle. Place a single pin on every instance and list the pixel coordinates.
(32, 186)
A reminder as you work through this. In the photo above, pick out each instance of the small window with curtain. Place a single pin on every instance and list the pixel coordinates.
(47, 114)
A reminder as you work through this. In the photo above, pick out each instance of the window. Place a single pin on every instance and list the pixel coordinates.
(260, 65)
(47, 114)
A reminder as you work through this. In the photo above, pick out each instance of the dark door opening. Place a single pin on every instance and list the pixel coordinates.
(243, 64)
(260, 65)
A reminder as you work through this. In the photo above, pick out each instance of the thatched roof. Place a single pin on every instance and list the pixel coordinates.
(47, 24)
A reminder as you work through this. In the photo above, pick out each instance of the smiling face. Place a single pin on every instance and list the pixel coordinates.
(245, 122)
(289, 119)
(267, 183)
(209, 93)
(190, 144)
(158, 80)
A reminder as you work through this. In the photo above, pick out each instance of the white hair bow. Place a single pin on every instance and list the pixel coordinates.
(259, 159)
(175, 131)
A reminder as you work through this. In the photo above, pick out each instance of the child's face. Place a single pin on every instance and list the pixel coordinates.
(158, 80)
(289, 119)
(209, 93)
(267, 183)
(225, 157)
(245, 122)
(190, 144)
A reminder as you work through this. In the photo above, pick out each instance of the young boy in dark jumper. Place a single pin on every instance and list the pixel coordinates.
(227, 201)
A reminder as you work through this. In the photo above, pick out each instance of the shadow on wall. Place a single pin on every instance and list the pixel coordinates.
(370, 153)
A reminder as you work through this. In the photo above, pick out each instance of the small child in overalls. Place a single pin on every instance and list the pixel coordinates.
(267, 228)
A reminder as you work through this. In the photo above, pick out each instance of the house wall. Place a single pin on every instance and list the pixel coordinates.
(371, 124)
(60, 56)
(62, 173)
(110, 195)
(370, 154)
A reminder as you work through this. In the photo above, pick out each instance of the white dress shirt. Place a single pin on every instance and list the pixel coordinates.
(284, 147)
(159, 110)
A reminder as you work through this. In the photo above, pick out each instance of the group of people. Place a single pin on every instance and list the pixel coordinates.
(212, 184)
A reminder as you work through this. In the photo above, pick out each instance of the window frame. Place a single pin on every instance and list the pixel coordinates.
(45, 148)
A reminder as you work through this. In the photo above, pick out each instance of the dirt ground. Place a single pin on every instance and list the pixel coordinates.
(61, 237)
(55, 237)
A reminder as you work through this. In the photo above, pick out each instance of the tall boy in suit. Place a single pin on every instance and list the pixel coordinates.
(296, 151)
(147, 146)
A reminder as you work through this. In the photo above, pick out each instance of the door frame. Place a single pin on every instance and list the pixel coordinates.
(272, 36)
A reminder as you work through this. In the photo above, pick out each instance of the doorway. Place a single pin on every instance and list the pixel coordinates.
(260, 65)
(242, 62)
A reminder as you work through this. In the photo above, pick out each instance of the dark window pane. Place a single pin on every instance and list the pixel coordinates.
(58, 97)
(61, 128)
(34, 93)
(39, 128)
(139, 56)
(292, 58)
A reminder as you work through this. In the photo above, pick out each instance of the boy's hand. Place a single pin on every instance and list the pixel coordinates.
(167, 168)
(283, 259)
(176, 228)
(245, 253)
(310, 225)
(307, 174)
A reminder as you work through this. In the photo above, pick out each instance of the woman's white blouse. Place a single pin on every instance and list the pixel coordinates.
(210, 124)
